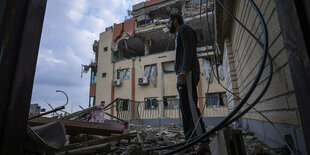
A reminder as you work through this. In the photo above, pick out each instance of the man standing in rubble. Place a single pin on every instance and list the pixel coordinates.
(188, 74)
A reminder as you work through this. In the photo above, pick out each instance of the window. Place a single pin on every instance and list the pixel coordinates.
(92, 101)
(216, 99)
(171, 102)
(105, 49)
(93, 77)
(102, 103)
(168, 67)
(122, 105)
(104, 75)
(123, 74)
(151, 103)
(151, 71)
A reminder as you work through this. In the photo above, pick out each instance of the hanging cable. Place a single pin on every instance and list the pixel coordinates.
(211, 39)
(242, 102)
(248, 94)
(260, 95)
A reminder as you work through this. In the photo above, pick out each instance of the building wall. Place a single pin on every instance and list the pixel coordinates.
(279, 102)
(231, 81)
(167, 80)
(103, 85)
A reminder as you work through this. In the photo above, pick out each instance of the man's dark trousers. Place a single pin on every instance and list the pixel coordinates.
(188, 105)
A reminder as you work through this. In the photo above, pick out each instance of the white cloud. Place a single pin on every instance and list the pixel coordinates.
(47, 57)
(93, 24)
(69, 29)
(75, 16)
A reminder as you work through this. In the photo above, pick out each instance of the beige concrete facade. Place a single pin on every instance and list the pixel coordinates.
(167, 80)
(242, 55)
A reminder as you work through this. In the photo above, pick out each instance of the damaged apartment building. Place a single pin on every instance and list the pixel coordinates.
(135, 62)
(254, 82)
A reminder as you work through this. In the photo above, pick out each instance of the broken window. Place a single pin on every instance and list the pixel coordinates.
(170, 102)
(216, 99)
(151, 71)
(168, 67)
(154, 74)
(104, 75)
(122, 105)
(123, 74)
(93, 78)
(147, 71)
(102, 103)
(143, 20)
(105, 49)
(207, 69)
(151, 103)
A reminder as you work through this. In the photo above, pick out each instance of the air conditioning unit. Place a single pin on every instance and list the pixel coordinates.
(117, 82)
(143, 81)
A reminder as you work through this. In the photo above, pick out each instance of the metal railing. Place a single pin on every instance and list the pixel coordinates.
(216, 106)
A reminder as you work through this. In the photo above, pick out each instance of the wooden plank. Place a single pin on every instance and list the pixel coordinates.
(20, 33)
(99, 141)
(88, 110)
(79, 127)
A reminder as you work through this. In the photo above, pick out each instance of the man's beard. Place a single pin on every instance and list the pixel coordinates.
(172, 29)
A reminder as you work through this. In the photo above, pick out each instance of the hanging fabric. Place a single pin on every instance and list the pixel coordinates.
(154, 74)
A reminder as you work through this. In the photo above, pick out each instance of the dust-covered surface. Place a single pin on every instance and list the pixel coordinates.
(141, 138)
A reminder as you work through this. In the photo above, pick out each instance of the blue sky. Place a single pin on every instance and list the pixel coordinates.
(69, 29)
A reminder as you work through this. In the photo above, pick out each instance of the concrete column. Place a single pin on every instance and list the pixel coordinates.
(133, 92)
(200, 101)
(112, 98)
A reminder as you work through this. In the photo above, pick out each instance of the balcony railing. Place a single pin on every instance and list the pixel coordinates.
(162, 109)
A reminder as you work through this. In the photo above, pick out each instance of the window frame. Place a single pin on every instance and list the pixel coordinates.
(104, 75)
(120, 105)
(146, 103)
(220, 99)
(174, 101)
(165, 71)
(93, 77)
(118, 74)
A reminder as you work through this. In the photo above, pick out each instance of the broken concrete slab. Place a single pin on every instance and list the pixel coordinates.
(101, 148)
(227, 141)
(99, 141)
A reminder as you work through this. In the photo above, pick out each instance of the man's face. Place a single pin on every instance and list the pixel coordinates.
(171, 26)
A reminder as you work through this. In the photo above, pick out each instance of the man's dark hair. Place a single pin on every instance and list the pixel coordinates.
(178, 17)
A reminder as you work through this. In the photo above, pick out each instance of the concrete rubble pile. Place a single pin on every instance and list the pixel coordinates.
(85, 135)
(255, 146)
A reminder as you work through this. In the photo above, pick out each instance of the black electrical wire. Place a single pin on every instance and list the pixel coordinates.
(211, 38)
(248, 94)
(269, 77)
(223, 123)
(270, 69)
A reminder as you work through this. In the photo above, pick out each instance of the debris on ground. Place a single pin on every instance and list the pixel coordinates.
(87, 132)
(255, 146)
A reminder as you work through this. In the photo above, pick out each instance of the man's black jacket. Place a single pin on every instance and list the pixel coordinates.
(186, 55)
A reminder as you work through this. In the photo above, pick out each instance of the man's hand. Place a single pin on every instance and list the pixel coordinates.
(182, 78)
